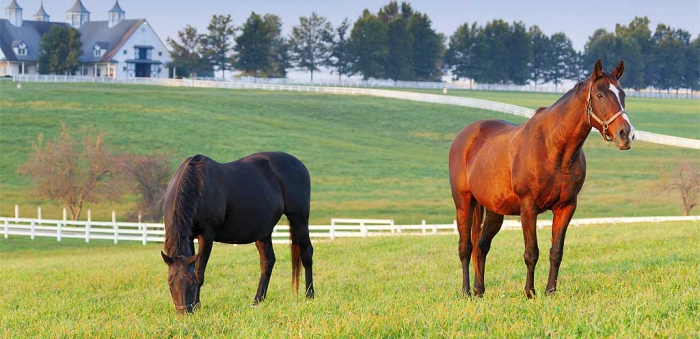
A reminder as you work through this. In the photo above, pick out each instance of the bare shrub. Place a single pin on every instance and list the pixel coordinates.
(64, 169)
(685, 178)
(148, 176)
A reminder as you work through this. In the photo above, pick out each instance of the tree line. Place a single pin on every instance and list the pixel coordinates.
(399, 43)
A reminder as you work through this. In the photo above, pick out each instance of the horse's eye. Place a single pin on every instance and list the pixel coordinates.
(600, 96)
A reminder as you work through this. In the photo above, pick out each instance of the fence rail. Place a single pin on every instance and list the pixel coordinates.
(338, 228)
(411, 96)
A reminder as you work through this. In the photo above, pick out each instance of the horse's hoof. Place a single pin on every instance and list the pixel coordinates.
(530, 294)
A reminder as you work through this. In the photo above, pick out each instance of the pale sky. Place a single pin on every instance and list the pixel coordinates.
(577, 19)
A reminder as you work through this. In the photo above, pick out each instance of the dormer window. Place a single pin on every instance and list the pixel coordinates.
(22, 48)
(98, 50)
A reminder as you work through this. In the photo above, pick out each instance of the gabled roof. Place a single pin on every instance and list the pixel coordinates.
(30, 32)
(78, 7)
(14, 5)
(116, 8)
(99, 32)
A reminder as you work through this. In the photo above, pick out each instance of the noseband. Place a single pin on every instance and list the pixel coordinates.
(604, 124)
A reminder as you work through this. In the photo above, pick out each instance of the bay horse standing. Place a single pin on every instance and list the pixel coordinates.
(497, 169)
(239, 202)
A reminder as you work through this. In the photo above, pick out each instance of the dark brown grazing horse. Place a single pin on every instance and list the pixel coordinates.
(497, 169)
(239, 202)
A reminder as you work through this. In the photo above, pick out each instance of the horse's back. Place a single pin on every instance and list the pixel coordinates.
(289, 172)
(475, 136)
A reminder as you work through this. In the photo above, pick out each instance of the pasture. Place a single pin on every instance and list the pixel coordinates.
(368, 157)
(616, 281)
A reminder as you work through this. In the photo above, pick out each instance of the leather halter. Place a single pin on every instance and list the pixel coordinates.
(604, 124)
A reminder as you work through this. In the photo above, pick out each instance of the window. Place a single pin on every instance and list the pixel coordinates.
(124, 68)
(22, 49)
(160, 53)
(98, 50)
(125, 52)
(99, 72)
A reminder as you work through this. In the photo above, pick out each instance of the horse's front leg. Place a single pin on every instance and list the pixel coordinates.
(528, 219)
(205, 246)
(562, 217)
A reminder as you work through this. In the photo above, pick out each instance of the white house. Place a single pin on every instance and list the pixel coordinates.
(116, 47)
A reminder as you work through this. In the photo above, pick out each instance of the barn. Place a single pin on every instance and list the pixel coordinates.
(117, 47)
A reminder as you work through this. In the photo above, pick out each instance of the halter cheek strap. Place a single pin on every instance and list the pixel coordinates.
(604, 124)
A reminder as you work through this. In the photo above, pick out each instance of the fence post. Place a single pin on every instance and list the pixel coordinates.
(435, 231)
(332, 229)
(363, 229)
(145, 234)
(58, 231)
(87, 226)
(398, 228)
(38, 214)
(33, 225)
(7, 227)
(16, 212)
(423, 224)
(116, 228)
(455, 226)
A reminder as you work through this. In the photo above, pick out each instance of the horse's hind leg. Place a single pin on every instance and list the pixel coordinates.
(481, 240)
(299, 227)
(267, 262)
(465, 206)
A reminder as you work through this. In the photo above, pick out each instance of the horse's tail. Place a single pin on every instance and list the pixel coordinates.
(296, 260)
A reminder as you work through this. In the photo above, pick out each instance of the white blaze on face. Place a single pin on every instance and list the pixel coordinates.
(619, 102)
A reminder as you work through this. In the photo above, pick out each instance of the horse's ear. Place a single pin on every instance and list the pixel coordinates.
(168, 260)
(191, 260)
(597, 70)
(617, 72)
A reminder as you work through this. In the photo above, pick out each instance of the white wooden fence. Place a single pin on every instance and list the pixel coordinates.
(401, 95)
(338, 228)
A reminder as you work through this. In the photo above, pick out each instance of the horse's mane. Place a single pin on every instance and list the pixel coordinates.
(188, 193)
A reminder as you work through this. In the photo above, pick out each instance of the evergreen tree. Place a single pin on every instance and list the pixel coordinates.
(255, 45)
(562, 60)
(282, 57)
(541, 54)
(691, 77)
(310, 50)
(463, 55)
(187, 55)
(339, 58)
(218, 43)
(368, 46)
(428, 48)
(518, 56)
(61, 50)
(636, 50)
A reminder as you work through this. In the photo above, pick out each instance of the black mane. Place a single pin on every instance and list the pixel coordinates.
(189, 191)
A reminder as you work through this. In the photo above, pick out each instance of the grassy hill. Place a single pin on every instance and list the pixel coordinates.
(368, 157)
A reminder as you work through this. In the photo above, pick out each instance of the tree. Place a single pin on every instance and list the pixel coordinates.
(685, 179)
(187, 56)
(561, 60)
(669, 62)
(541, 53)
(339, 58)
(61, 50)
(462, 56)
(63, 170)
(691, 77)
(368, 46)
(255, 44)
(636, 50)
(310, 49)
(518, 55)
(282, 57)
(428, 48)
(218, 43)
(149, 176)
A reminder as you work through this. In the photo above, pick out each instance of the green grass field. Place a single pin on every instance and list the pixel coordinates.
(368, 157)
(626, 281)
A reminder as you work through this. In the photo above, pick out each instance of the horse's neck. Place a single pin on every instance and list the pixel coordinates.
(568, 124)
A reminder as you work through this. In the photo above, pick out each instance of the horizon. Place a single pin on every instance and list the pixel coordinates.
(577, 24)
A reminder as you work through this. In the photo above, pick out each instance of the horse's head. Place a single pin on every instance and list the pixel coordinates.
(605, 104)
(182, 282)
